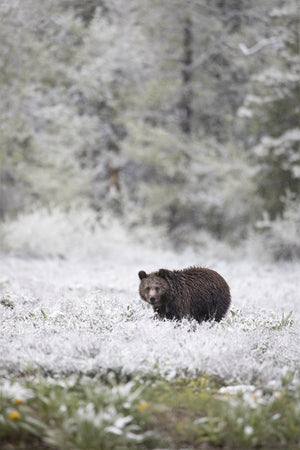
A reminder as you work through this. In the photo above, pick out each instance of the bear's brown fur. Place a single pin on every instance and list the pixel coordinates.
(195, 292)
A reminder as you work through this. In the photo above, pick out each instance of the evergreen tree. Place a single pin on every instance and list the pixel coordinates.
(39, 137)
(273, 110)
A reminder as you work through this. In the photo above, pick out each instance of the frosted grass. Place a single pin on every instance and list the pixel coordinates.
(82, 314)
(85, 316)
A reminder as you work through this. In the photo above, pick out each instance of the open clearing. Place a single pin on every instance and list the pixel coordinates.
(81, 315)
(84, 315)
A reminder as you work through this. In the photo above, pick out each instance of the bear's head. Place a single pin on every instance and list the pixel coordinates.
(153, 288)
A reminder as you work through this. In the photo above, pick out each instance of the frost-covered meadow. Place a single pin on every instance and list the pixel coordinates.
(80, 312)
(84, 365)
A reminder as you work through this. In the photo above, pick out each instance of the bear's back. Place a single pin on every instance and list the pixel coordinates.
(208, 292)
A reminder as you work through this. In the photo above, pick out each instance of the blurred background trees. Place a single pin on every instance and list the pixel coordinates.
(182, 118)
(272, 107)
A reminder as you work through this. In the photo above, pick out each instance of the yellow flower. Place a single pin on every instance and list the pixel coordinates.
(142, 406)
(18, 401)
(14, 415)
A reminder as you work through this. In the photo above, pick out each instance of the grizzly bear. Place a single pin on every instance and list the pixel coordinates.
(194, 293)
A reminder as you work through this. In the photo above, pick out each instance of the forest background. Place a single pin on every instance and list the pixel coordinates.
(179, 118)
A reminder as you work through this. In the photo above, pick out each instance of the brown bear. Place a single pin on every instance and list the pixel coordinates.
(194, 293)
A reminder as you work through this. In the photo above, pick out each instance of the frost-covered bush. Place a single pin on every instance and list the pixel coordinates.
(280, 238)
(278, 169)
(80, 232)
(41, 233)
(44, 232)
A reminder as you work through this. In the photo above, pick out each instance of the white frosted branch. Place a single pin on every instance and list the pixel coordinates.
(257, 47)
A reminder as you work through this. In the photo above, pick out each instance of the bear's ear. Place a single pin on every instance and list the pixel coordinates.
(163, 273)
(142, 274)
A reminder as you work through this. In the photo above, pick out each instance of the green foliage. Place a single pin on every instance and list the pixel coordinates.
(149, 413)
(198, 412)
(76, 413)
(266, 321)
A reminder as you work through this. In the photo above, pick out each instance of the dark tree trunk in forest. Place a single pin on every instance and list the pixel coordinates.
(185, 105)
(113, 168)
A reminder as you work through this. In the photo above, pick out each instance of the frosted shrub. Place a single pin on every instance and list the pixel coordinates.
(44, 233)
(78, 232)
(281, 237)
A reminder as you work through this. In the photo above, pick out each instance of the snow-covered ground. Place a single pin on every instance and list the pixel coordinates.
(82, 313)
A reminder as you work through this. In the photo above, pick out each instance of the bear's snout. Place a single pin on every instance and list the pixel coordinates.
(152, 300)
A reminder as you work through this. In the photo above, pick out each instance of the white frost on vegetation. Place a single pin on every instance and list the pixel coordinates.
(81, 313)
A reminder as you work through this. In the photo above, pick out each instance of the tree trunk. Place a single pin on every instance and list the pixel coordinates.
(113, 168)
(185, 105)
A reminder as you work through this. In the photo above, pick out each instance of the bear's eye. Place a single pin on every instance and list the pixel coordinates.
(157, 289)
(148, 288)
